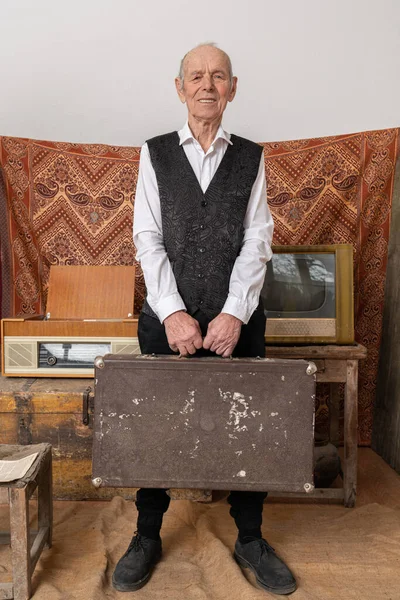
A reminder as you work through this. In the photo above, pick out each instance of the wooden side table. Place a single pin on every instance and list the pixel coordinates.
(17, 493)
(335, 365)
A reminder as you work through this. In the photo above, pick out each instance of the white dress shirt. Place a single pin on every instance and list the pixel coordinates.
(248, 272)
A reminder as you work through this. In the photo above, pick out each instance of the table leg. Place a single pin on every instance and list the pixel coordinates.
(350, 433)
(20, 543)
(45, 498)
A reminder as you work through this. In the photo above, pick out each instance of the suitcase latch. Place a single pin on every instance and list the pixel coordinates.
(87, 405)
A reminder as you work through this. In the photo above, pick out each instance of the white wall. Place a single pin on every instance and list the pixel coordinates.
(103, 70)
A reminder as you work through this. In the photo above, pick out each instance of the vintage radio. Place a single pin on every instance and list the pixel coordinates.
(308, 295)
(89, 313)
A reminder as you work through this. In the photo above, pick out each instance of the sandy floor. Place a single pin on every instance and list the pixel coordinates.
(335, 553)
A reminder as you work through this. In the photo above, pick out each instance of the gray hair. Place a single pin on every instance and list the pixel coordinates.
(213, 45)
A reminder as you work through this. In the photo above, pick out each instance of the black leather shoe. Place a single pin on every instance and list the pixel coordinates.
(134, 567)
(271, 572)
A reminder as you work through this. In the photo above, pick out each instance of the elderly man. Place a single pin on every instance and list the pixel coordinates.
(203, 233)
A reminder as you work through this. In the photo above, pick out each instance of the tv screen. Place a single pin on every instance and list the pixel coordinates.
(300, 286)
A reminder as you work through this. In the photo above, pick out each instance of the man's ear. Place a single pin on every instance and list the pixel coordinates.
(233, 89)
(179, 89)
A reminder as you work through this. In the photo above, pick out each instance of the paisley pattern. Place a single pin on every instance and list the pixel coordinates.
(69, 203)
(339, 190)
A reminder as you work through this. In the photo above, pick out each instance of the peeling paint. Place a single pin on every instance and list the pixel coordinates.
(193, 452)
(189, 406)
(241, 474)
(242, 428)
(137, 400)
(283, 378)
(239, 452)
(239, 409)
(274, 414)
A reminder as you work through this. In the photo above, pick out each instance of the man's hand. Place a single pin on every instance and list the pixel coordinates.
(183, 333)
(223, 334)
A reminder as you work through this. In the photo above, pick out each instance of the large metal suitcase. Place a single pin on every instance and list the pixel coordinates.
(207, 423)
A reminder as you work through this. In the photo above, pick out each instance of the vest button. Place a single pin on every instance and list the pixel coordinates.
(202, 250)
(200, 275)
(204, 202)
(202, 227)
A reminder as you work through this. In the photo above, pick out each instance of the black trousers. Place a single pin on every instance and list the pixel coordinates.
(246, 507)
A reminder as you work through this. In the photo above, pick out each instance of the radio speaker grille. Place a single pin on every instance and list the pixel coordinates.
(126, 347)
(17, 354)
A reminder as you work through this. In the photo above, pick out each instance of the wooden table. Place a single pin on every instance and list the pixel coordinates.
(335, 365)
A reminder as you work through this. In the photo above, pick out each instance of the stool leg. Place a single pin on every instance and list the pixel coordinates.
(350, 434)
(45, 499)
(20, 543)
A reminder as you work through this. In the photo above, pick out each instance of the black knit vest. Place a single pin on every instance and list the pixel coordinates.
(203, 232)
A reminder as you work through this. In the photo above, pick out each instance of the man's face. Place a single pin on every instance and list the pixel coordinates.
(207, 87)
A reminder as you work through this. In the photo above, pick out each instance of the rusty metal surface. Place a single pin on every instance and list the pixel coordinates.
(241, 424)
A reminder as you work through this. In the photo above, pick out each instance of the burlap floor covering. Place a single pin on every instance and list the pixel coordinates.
(335, 553)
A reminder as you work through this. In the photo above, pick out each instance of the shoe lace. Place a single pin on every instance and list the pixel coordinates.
(136, 543)
(265, 547)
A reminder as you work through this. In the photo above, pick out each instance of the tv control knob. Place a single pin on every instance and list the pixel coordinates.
(51, 360)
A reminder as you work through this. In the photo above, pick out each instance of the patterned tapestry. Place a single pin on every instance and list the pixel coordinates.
(71, 204)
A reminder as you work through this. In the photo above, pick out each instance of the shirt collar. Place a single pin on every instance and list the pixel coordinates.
(185, 134)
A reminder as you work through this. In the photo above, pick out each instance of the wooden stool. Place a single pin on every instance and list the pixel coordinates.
(17, 493)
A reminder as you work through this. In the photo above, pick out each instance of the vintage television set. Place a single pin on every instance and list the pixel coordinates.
(308, 295)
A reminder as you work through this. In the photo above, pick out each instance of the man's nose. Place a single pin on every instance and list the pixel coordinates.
(208, 82)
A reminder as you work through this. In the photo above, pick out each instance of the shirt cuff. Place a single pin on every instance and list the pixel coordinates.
(239, 309)
(167, 306)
